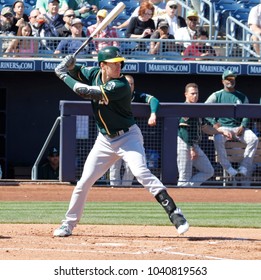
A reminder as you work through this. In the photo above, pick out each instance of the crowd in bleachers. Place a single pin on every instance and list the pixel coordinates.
(169, 28)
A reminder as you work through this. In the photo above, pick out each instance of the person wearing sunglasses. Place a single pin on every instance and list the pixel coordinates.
(185, 34)
(172, 18)
(65, 30)
(142, 26)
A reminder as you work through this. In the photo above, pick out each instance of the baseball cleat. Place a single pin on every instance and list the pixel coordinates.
(179, 221)
(62, 231)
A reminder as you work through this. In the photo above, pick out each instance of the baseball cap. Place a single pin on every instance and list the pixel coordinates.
(76, 20)
(171, 3)
(192, 13)
(51, 1)
(228, 73)
(102, 13)
(6, 11)
(163, 23)
(53, 152)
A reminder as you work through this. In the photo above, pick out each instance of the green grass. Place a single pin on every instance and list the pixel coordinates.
(247, 215)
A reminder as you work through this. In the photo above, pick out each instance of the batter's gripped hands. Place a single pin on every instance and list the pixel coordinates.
(152, 120)
(69, 61)
(67, 64)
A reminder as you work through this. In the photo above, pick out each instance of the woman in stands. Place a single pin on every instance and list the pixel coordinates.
(142, 26)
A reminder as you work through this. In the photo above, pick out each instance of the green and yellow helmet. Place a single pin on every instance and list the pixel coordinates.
(110, 54)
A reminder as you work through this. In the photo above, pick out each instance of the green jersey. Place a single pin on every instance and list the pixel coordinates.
(190, 130)
(114, 112)
(235, 97)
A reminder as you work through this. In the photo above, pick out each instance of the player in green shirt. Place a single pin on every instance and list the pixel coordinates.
(118, 137)
(237, 127)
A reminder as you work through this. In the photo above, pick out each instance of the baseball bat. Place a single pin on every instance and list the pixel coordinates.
(110, 17)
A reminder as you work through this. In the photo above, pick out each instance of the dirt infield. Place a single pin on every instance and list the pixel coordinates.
(101, 242)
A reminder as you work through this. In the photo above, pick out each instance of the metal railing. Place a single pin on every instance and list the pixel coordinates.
(140, 48)
(245, 45)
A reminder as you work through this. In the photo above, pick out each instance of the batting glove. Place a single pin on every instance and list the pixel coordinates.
(67, 64)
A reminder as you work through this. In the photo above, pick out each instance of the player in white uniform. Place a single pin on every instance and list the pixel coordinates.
(118, 137)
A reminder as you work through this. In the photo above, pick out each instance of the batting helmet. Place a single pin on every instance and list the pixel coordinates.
(110, 54)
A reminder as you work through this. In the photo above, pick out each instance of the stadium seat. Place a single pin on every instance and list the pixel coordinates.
(119, 20)
(90, 20)
(222, 11)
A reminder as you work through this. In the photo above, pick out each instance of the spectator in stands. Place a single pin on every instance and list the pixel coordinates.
(50, 169)
(6, 26)
(159, 9)
(108, 32)
(84, 8)
(18, 8)
(254, 22)
(162, 33)
(70, 46)
(25, 47)
(187, 33)
(65, 30)
(1, 172)
(115, 170)
(199, 50)
(142, 26)
(33, 21)
(189, 153)
(49, 23)
(43, 6)
(237, 127)
(174, 21)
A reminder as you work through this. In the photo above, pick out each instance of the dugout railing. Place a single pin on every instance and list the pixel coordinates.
(160, 142)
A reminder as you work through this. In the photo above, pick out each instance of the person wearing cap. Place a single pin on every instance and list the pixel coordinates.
(7, 21)
(161, 33)
(84, 8)
(172, 18)
(185, 34)
(118, 134)
(7, 28)
(43, 6)
(108, 32)
(50, 169)
(70, 46)
(238, 128)
(254, 23)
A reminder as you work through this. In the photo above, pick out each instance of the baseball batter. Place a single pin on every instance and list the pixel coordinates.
(118, 137)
